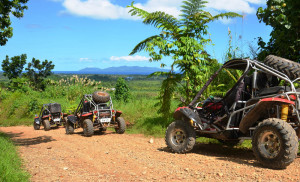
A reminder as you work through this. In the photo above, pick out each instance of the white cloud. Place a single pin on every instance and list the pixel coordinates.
(129, 58)
(85, 60)
(106, 9)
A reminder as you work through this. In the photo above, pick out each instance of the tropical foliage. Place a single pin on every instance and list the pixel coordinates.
(8, 8)
(283, 17)
(122, 90)
(35, 75)
(184, 40)
(13, 69)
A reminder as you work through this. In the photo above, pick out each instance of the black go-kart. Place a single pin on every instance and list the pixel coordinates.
(95, 111)
(50, 114)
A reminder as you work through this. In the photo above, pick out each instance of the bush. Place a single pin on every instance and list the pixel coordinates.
(122, 90)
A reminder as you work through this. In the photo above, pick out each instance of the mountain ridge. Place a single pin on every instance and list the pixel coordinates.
(119, 70)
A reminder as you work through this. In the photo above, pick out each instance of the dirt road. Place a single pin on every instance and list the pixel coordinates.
(54, 156)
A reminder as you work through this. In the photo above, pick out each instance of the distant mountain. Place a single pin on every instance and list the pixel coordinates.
(121, 70)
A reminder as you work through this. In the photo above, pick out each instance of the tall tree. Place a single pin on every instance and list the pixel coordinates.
(13, 69)
(8, 7)
(37, 71)
(284, 17)
(183, 39)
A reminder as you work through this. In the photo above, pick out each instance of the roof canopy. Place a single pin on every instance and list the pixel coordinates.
(240, 64)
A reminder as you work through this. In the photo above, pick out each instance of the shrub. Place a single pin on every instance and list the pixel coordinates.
(122, 90)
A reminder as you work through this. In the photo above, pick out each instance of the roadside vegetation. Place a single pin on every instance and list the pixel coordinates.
(11, 168)
(147, 102)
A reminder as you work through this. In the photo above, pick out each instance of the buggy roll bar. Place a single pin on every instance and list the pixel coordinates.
(246, 64)
(91, 101)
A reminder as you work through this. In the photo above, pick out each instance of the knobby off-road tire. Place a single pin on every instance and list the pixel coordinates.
(120, 129)
(88, 128)
(36, 126)
(100, 97)
(46, 124)
(275, 143)
(180, 137)
(69, 128)
(290, 68)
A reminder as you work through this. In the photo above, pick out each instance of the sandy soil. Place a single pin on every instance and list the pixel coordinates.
(54, 156)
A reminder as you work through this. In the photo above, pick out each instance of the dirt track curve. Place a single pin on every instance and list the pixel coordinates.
(54, 156)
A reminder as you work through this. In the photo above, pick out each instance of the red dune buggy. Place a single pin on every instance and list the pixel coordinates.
(263, 106)
(95, 111)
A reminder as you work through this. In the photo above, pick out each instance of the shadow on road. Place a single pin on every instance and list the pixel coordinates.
(96, 133)
(28, 141)
(222, 152)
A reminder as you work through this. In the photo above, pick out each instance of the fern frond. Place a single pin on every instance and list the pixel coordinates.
(192, 7)
(230, 74)
(158, 73)
(134, 11)
(162, 21)
(140, 46)
(225, 15)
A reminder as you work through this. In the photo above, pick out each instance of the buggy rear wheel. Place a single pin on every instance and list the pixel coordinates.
(36, 126)
(120, 129)
(180, 137)
(275, 143)
(88, 128)
(46, 124)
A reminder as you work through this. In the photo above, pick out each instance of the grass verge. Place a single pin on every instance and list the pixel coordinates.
(11, 164)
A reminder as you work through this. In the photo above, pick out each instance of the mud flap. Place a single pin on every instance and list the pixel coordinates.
(189, 113)
(71, 118)
(37, 121)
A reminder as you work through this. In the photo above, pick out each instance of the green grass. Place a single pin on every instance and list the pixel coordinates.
(11, 169)
(245, 144)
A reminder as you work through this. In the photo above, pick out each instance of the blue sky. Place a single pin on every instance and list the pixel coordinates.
(75, 34)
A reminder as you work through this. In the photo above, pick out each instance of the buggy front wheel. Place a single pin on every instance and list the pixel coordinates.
(36, 126)
(69, 128)
(46, 124)
(180, 137)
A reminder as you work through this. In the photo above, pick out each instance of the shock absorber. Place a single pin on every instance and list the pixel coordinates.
(284, 112)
